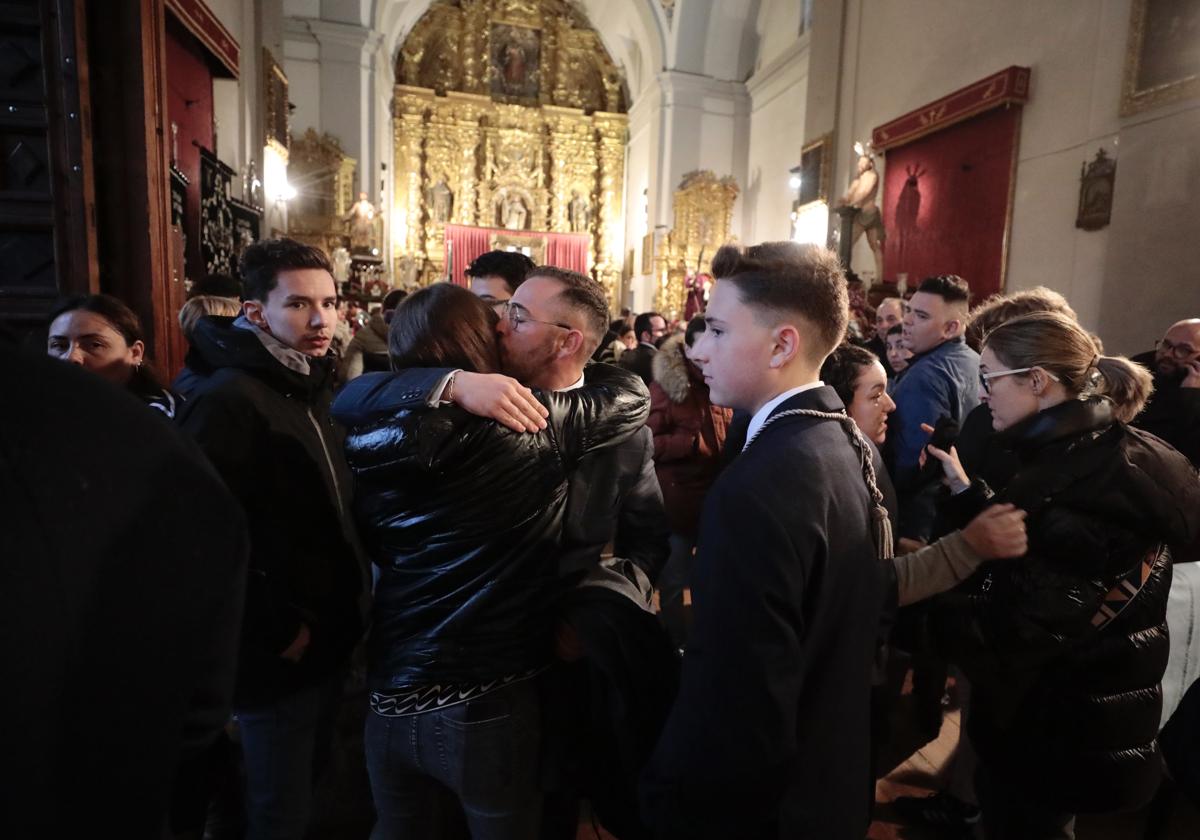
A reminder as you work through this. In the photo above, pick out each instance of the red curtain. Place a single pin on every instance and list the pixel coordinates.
(464, 243)
(945, 202)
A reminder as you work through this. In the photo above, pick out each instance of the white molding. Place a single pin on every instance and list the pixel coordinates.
(779, 67)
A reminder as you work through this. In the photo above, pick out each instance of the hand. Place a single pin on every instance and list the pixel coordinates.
(998, 533)
(299, 645)
(501, 398)
(566, 643)
(1191, 375)
(956, 476)
(907, 545)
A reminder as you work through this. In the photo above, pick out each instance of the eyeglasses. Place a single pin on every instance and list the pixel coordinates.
(985, 379)
(516, 315)
(1181, 352)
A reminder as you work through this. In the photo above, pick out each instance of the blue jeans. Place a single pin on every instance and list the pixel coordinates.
(480, 757)
(286, 744)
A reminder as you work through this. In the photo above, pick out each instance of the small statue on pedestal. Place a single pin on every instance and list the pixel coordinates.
(361, 219)
(341, 265)
(577, 213)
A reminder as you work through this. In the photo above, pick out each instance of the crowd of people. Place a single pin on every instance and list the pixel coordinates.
(652, 571)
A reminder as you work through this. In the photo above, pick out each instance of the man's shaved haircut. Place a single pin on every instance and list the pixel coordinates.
(786, 279)
(583, 295)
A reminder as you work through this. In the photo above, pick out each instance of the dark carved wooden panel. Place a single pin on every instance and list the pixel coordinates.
(47, 239)
(216, 215)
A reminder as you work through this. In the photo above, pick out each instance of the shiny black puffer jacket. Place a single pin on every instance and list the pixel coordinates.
(463, 518)
(1067, 708)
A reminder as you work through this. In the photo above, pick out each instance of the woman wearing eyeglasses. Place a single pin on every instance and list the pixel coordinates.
(462, 516)
(1065, 648)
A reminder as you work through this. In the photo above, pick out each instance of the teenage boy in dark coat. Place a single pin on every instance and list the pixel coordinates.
(769, 734)
(261, 414)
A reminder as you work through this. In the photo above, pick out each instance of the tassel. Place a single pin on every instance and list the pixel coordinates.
(883, 533)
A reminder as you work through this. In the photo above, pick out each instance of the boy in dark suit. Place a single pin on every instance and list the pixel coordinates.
(769, 734)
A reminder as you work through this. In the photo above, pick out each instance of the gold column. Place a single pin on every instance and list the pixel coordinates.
(409, 127)
(610, 154)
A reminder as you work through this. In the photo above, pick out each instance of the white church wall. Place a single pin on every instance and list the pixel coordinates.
(900, 55)
(302, 64)
(778, 93)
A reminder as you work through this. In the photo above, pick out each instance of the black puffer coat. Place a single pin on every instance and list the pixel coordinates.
(1070, 710)
(463, 517)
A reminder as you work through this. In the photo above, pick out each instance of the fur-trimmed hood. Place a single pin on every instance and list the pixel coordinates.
(670, 367)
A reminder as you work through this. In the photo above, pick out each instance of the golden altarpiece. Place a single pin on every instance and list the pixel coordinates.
(703, 207)
(507, 114)
(323, 176)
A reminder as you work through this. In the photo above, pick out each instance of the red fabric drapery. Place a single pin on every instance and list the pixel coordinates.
(464, 243)
(945, 202)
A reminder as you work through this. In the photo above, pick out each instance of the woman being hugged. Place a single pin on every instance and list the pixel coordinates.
(1066, 647)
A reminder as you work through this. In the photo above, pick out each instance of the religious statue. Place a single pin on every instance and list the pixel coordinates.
(361, 219)
(861, 197)
(441, 202)
(577, 213)
(341, 264)
(514, 212)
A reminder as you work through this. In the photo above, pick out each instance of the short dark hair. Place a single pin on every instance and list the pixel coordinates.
(896, 329)
(642, 323)
(513, 266)
(842, 368)
(261, 263)
(803, 280)
(619, 327)
(392, 299)
(694, 327)
(583, 295)
(217, 285)
(444, 325)
(949, 287)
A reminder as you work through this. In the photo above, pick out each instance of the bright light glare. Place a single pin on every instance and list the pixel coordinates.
(811, 224)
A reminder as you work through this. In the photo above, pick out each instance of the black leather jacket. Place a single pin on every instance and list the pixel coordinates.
(1071, 709)
(463, 517)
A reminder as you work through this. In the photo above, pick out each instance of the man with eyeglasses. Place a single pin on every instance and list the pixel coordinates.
(1174, 411)
(548, 330)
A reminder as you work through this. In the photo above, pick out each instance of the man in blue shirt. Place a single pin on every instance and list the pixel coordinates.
(942, 380)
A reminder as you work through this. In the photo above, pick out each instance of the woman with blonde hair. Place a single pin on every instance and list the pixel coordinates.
(1065, 647)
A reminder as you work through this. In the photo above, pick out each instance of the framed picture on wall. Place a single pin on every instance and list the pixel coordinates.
(815, 171)
(1162, 56)
(275, 96)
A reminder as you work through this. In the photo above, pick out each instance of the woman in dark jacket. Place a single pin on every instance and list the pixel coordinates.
(103, 335)
(689, 435)
(463, 517)
(1065, 648)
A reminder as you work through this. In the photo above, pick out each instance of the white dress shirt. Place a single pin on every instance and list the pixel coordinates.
(760, 416)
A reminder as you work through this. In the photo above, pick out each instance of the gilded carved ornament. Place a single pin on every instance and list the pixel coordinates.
(524, 130)
(703, 206)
